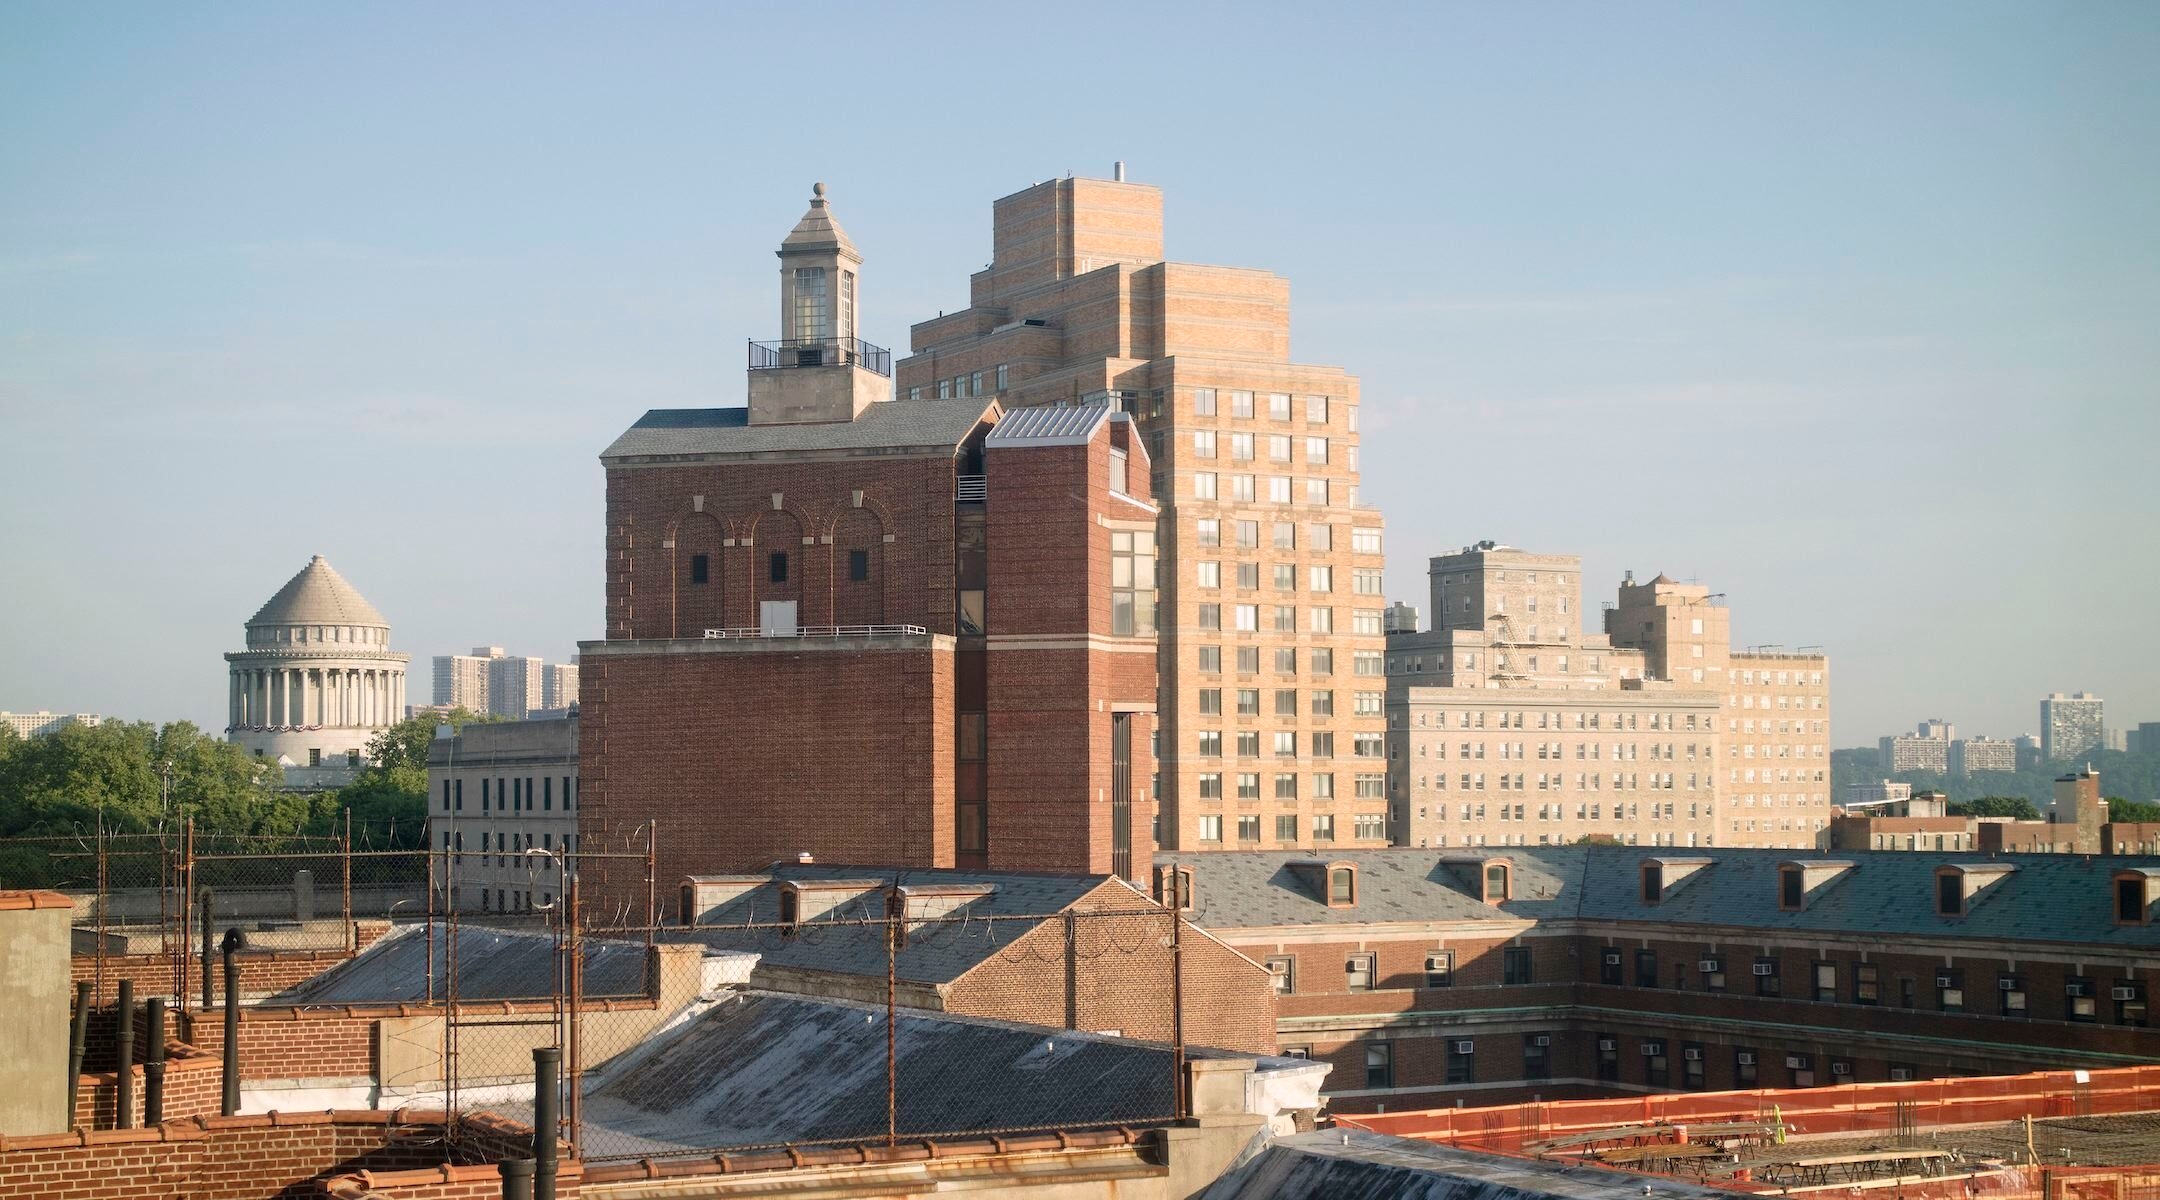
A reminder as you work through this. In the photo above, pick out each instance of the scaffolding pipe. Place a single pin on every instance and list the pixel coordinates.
(153, 1104)
(209, 948)
(233, 941)
(547, 1060)
(77, 1036)
(124, 1058)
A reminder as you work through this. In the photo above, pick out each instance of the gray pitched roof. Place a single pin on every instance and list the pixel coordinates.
(492, 964)
(760, 1068)
(1261, 888)
(1049, 425)
(2059, 898)
(891, 426)
(1337, 1164)
(318, 595)
(935, 953)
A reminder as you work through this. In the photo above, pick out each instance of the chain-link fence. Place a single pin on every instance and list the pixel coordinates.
(817, 1012)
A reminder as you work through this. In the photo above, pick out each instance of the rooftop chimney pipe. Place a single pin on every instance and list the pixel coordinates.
(1117, 170)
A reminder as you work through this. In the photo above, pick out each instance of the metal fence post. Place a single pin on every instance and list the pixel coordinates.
(1181, 1100)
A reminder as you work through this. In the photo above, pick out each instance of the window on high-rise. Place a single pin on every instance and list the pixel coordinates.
(1132, 581)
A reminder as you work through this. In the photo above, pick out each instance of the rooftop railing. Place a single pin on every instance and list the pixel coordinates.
(816, 631)
(820, 352)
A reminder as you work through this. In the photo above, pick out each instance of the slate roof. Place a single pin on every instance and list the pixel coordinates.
(2059, 898)
(318, 595)
(492, 964)
(934, 954)
(1374, 1166)
(1260, 888)
(760, 1068)
(892, 426)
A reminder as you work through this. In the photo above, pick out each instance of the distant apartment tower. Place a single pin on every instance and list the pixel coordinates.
(558, 686)
(1928, 749)
(461, 680)
(516, 685)
(1509, 726)
(38, 724)
(2145, 739)
(2070, 725)
(1971, 756)
(1272, 687)
(1776, 740)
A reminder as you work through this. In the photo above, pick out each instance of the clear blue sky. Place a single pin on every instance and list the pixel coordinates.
(1847, 309)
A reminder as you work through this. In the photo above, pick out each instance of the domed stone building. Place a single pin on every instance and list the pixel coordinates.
(317, 681)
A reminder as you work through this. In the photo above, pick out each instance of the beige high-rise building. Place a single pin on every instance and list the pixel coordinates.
(1775, 790)
(1510, 726)
(1271, 659)
(461, 680)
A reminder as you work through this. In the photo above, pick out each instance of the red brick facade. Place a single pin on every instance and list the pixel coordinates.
(981, 747)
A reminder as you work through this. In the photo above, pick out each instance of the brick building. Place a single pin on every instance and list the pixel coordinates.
(848, 625)
(1601, 969)
(1271, 647)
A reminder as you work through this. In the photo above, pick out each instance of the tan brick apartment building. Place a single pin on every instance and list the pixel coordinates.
(1271, 670)
(845, 625)
(1602, 969)
(1510, 726)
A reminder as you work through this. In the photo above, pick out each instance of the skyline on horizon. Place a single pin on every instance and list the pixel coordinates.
(1861, 346)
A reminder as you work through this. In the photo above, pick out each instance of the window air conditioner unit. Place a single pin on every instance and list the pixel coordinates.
(1747, 1058)
(1708, 966)
(1942, 981)
(2008, 985)
(1612, 958)
(1466, 1047)
(1765, 968)
(1692, 1054)
(1900, 1074)
(2123, 993)
(1541, 1040)
(1796, 1062)
(1652, 1049)
(1841, 1068)
(1608, 1044)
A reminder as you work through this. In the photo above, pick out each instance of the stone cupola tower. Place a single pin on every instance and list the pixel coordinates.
(820, 369)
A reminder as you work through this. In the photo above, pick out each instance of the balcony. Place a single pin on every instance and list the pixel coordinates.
(821, 352)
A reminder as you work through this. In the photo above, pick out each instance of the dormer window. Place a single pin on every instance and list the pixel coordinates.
(689, 905)
(1496, 883)
(1653, 883)
(1342, 887)
(2133, 904)
(790, 905)
(1792, 889)
(1949, 894)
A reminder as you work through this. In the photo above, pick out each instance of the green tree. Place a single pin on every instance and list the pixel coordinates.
(2120, 809)
(388, 802)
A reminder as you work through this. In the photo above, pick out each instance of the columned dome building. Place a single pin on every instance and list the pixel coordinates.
(317, 681)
